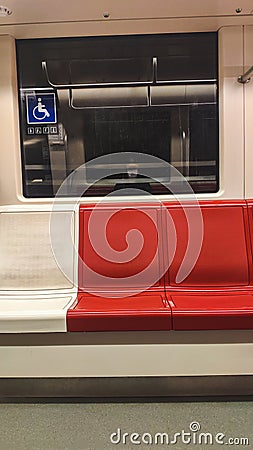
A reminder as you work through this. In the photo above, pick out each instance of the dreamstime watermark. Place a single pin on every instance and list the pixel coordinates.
(193, 436)
(119, 207)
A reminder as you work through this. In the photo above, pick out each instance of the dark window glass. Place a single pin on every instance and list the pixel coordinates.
(81, 98)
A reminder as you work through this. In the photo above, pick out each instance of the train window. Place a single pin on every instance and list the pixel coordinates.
(81, 98)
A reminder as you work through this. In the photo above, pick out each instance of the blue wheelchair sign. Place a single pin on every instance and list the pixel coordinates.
(41, 108)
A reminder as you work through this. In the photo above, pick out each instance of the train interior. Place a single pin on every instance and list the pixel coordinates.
(126, 192)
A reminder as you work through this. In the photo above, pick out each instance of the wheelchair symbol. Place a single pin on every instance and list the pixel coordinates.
(40, 112)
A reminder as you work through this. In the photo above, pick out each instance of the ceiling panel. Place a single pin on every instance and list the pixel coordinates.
(31, 11)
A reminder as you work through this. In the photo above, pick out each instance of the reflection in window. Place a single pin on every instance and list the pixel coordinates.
(145, 94)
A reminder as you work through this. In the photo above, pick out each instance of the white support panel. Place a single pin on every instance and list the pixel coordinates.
(34, 315)
(248, 91)
(231, 113)
(10, 158)
(126, 360)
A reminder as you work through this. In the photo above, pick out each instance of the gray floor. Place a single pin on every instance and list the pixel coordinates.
(88, 426)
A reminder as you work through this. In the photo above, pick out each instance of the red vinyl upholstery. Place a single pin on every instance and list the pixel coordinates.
(217, 293)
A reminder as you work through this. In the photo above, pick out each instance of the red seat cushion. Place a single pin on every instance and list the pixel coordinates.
(212, 312)
(140, 312)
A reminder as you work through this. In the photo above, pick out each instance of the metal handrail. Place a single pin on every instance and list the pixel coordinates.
(124, 84)
(93, 85)
(245, 77)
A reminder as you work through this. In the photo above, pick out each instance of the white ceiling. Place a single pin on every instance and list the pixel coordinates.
(48, 11)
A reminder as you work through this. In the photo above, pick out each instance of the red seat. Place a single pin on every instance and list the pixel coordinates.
(212, 312)
(101, 278)
(202, 301)
(140, 312)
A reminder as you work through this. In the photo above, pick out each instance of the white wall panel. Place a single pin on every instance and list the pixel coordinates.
(25, 11)
(248, 91)
(10, 159)
(231, 121)
(231, 112)
(126, 360)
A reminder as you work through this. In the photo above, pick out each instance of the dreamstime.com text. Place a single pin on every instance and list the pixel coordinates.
(193, 436)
